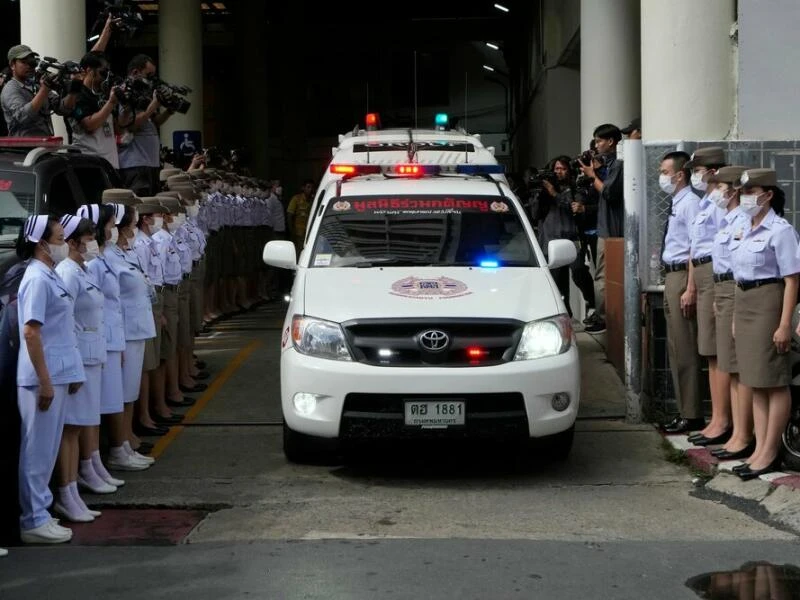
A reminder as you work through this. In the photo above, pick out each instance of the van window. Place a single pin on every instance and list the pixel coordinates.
(60, 198)
(17, 201)
(422, 230)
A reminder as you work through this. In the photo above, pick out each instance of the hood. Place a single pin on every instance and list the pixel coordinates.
(523, 293)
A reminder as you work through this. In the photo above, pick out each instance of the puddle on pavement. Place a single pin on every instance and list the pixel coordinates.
(752, 581)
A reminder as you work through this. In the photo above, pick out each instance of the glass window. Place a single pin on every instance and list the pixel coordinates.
(60, 198)
(17, 201)
(92, 182)
(422, 230)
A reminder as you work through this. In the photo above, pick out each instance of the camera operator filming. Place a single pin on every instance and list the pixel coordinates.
(140, 150)
(27, 103)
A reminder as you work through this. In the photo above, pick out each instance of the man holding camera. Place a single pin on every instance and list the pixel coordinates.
(609, 184)
(140, 155)
(27, 109)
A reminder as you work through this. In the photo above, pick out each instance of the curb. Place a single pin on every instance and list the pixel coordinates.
(777, 493)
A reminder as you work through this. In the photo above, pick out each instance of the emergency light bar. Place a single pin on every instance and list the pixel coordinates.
(415, 169)
(373, 121)
(31, 142)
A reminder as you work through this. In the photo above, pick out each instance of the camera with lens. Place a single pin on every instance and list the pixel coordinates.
(584, 182)
(171, 96)
(56, 75)
(584, 159)
(127, 18)
(537, 177)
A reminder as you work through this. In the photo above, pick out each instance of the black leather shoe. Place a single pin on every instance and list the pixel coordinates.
(202, 375)
(748, 473)
(684, 425)
(723, 454)
(184, 402)
(671, 423)
(742, 467)
(200, 364)
(713, 441)
(198, 387)
(149, 431)
(172, 420)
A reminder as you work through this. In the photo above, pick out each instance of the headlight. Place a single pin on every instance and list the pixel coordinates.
(322, 339)
(548, 337)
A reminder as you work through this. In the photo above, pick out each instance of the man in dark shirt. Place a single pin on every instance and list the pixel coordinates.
(609, 185)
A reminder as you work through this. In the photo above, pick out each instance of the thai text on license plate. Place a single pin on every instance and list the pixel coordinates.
(435, 415)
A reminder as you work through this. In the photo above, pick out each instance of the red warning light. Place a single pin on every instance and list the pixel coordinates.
(409, 170)
(476, 352)
(373, 121)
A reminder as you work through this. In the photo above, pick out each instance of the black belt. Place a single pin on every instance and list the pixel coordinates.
(749, 285)
(720, 277)
(170, 287)
(672, 267)
(701, 261)
(195, 263)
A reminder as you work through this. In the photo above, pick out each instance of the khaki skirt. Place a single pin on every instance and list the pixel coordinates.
(169, 333)
(756, 315)
(706, 323)
(724, 293)
(185, 332)
(152, 346)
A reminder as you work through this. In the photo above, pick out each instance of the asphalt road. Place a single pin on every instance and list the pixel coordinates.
(223, 515)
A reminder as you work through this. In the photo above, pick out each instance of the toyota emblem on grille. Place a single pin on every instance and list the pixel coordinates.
(434, 340)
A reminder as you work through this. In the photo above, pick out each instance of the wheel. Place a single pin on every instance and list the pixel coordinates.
(790, 440)
(555, 447)
(307, 449)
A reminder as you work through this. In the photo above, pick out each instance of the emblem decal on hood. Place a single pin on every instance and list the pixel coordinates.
(429, 288)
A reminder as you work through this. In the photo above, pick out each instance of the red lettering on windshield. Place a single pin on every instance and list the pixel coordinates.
(5, 185)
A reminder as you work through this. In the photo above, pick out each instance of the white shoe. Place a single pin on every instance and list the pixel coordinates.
(94, 513)
(101, 487)
(113, 481)
(142, 458)
(3, 552)
(127, 462)
(54, 524)
(45, 534)
(82, 517)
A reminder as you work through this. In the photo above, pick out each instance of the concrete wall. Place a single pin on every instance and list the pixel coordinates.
(768, 73)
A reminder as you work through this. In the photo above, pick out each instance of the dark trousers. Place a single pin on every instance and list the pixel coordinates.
(561, 277)
(580, 270)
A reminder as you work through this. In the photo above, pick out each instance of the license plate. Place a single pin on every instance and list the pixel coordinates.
(435, 415)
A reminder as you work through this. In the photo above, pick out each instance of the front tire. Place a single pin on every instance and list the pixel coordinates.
(303, 449)
(556, 447)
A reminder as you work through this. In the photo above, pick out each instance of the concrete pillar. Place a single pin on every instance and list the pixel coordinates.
(180, 60)
(610, 65)
(57, 29)
(688, 90)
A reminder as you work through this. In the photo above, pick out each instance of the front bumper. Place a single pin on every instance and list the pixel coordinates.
(535, 381)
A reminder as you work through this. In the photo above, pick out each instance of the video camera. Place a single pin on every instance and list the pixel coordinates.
(171, 96)
(127, 18)
(58, 76)
(585, 158)
(536, 178)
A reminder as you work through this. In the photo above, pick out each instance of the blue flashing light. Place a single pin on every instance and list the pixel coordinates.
(441, 120)
(489, 264)
(479, 169)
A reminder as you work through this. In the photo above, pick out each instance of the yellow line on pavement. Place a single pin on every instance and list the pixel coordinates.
(233, 366)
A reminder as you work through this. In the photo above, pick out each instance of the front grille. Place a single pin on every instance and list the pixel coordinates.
(373, 416)
(396, 342)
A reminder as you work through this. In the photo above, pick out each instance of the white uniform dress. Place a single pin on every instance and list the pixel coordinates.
(107, 277)
(137, 313)
(43, 298)
(83, 407)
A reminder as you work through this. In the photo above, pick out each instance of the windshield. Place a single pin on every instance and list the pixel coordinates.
(17, 201)
(430, 230)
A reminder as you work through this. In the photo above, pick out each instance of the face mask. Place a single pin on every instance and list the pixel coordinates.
(192, 211)
(666, 184)
(114, 235)
(58, 253)
(749, 204)
(698, 183)
(158, 223)
(719, 198)
(174, 225)
(92, 251)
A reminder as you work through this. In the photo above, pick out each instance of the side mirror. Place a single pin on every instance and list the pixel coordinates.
(560, 253)
(280, 253)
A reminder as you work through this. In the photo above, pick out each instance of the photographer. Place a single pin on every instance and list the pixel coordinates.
(552, 197)
(27, 109)
(91, 122)
(609, 185)
(140, 158)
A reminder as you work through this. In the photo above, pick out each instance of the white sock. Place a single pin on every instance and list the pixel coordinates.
(90, 475)
(127, 446)
(77, 497)
(99, 467)
(119, 452)
(71, 507)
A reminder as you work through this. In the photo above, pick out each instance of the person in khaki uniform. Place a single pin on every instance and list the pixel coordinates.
(766, 264)
(297, 214)
(680, 294)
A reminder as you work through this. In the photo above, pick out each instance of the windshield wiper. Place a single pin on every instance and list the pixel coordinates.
(380, 262)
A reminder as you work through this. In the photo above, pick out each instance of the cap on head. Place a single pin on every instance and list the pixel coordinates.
(713, 156)
(759, 178)
(152, 206)
(70, 224)
(181, 178)
(20, 52)
(634, 125)
(90, 211)
(173, 204)
(35, 226)
(120, 196)
(729, 175)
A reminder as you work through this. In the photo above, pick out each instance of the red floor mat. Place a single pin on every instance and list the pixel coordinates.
(136, 527)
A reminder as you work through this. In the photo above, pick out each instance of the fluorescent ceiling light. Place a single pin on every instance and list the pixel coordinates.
(501, 7)
(488, 68)
(493, 46)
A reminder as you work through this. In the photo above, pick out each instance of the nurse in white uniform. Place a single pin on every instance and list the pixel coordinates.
(49, 367)
(93, 474)
(83, 407)
(136, 299)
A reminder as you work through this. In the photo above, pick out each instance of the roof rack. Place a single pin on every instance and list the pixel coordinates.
(38, 147)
